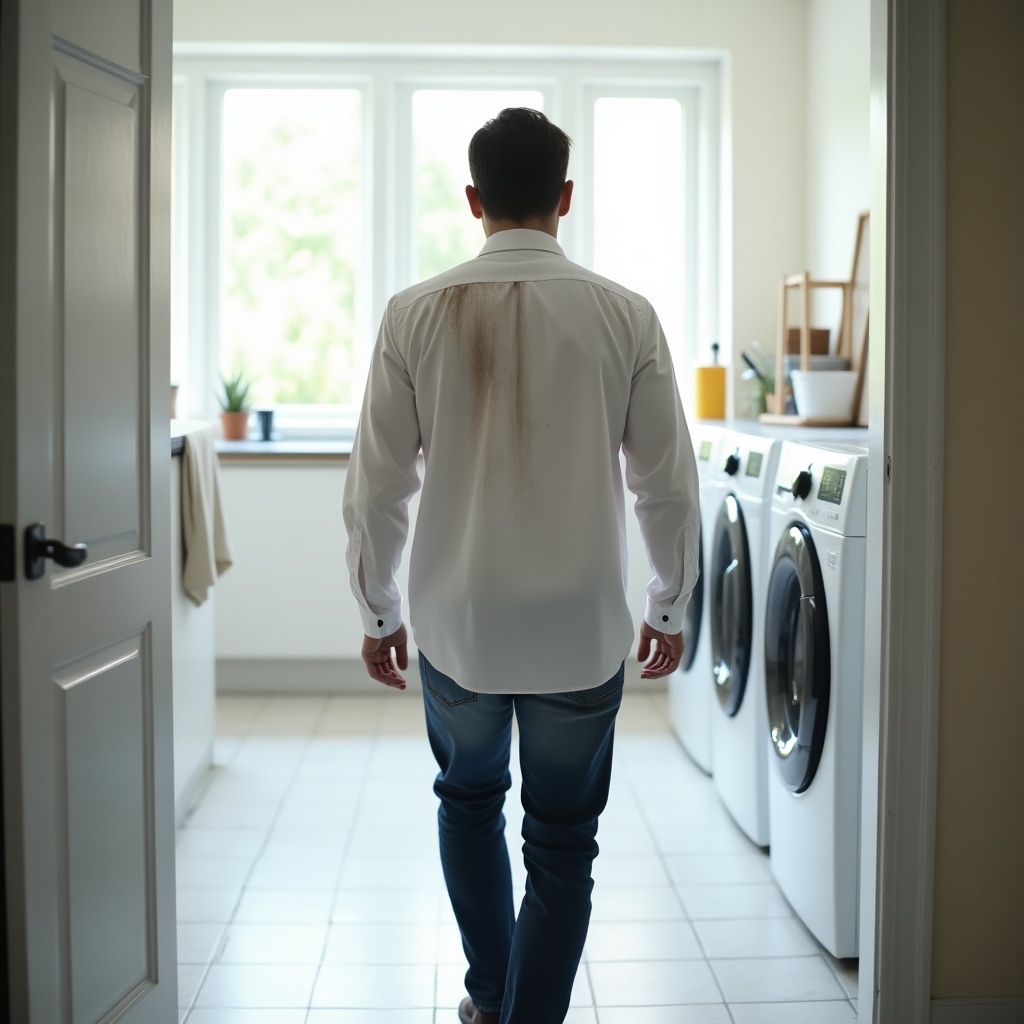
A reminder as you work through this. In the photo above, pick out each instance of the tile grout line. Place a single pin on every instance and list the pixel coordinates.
(346, 846)
(266, 838)
(218, 948)
(590, 985)
(631, 788)
(675, 889)
(661, 855)
(832, 962)
(438, 893)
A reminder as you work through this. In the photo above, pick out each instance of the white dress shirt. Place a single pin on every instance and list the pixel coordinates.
(521, 376)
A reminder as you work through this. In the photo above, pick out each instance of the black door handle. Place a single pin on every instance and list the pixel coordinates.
(38, 548)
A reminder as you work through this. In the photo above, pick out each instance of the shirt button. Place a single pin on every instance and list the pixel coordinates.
(664, 618)
(380, 622)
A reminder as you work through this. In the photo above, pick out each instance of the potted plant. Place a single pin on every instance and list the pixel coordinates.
(760, 370)
(235, 406)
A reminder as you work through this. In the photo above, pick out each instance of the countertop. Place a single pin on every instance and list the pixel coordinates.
(254, 448)
(341, 447)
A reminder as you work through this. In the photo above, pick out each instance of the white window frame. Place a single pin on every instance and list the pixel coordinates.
(181, 327)
(570, 79)
(405, 214)
(298, 420)
(700, 322)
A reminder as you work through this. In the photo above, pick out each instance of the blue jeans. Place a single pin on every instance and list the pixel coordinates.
(521, 968)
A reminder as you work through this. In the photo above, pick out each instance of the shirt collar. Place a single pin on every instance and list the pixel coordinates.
(521, 238)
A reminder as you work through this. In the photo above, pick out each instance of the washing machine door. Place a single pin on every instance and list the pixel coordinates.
(732, 605)
(798, 665)
(694, 613)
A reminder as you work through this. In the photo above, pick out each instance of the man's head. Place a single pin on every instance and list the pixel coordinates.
(518, 162)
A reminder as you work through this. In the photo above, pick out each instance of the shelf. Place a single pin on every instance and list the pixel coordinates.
(802, 421)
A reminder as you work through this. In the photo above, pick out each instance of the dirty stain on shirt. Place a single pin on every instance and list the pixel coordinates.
(484, 328)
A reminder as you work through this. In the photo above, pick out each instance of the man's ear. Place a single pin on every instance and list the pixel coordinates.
(566, 200)
(474, 202)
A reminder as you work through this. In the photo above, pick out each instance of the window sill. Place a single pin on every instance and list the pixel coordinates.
(252, 451)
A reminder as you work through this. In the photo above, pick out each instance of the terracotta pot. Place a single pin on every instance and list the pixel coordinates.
(234, 425)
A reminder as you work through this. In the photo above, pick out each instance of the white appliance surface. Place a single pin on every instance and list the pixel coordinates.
(736, 579)
(797, 434)
(690, 686)
(814, 684)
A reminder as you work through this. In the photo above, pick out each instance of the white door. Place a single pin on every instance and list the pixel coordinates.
(84, 449)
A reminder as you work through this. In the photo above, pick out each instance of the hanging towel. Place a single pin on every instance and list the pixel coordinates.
(207, 553)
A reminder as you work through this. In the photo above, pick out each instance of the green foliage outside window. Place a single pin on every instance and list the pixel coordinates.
(293, 242)
(446, 233)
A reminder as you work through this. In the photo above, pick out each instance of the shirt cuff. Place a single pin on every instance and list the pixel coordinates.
(383, 624)
(668, 618)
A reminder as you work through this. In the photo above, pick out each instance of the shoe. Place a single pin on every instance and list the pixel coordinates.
(469, 1014)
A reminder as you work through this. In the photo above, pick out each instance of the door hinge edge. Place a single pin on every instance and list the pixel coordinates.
(7, 554)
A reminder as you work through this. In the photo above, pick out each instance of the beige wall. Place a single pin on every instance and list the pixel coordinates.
(766, 42)
(838, 142)
(979, 866)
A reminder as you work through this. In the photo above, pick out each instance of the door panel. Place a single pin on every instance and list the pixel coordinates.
(85, 662)
(99, 339)
(104, 728)
(113, 28)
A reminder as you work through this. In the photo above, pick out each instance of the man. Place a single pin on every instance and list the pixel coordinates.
(521, 377)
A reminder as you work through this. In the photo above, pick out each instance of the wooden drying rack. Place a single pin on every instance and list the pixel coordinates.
(853, 334)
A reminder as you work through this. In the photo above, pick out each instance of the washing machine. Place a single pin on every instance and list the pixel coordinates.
(689, 687)
(739, 492)
(813, 667)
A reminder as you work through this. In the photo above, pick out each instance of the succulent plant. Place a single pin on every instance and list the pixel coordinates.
(234, 395)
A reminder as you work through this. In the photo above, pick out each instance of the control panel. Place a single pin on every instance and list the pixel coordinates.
(748, 463)
(827, 486)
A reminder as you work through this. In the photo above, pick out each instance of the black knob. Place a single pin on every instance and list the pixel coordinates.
(38, 547)
(732, 464)
(802, 484)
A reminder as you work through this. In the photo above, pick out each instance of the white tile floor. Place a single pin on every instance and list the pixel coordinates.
(310, 892)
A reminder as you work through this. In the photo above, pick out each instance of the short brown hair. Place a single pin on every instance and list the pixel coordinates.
(518, 162)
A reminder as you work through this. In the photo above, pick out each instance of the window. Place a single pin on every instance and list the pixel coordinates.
(309, 188)
(443, 122)
(639, 209)
(291, 242)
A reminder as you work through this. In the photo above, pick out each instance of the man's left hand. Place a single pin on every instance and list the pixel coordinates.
(668, 651)
(376, 655)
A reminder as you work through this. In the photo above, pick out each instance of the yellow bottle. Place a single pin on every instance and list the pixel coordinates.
(709, 389)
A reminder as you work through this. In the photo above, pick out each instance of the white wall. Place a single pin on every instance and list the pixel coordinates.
(766, 43)
(192, 669)
(287, 595)
(838, 144)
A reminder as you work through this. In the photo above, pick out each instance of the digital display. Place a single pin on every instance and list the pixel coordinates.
(705, 451)
(832, 483)
(754, 460)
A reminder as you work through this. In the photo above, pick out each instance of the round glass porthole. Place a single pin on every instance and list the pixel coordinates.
(731, 606)
(798, 666)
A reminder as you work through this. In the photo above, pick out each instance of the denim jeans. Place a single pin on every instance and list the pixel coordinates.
(522, 968)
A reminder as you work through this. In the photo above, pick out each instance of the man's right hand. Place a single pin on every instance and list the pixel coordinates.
(668, 650)
(376, 655)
